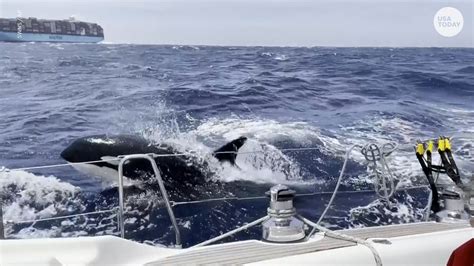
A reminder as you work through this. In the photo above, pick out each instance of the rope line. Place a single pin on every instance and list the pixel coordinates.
(57, 165)
(242, 228)
(333, 234)
(177, 203)
(337, 186)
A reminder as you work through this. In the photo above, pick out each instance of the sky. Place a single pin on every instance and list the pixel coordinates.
(376, 23)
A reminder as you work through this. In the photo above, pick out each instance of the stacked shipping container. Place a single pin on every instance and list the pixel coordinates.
(63, 27)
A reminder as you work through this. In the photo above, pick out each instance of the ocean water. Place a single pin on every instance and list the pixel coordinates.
(198, 98)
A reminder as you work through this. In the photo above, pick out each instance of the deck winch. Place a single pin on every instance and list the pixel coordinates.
(282, 226)
(454, 206)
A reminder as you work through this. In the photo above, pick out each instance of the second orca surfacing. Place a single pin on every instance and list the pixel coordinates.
(185, 176)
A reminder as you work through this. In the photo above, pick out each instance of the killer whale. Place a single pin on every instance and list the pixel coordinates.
(185, 176)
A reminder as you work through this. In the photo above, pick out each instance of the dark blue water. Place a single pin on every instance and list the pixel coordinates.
(197, 98)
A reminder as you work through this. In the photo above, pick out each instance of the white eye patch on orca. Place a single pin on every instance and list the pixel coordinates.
(101, 141)
(106, 174)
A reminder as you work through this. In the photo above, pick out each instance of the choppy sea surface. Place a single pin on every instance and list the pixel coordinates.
(198, 98)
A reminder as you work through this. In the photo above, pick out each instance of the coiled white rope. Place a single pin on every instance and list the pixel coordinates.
(374, 154)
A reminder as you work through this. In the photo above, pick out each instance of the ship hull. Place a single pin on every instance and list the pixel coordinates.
(41, 37)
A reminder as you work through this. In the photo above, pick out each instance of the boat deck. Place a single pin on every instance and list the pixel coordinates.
(256, 251)
(398, 245)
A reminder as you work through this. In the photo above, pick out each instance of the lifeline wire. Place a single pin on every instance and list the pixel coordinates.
(118, 158)
(391, 149)
(177, 203)
(59, 217)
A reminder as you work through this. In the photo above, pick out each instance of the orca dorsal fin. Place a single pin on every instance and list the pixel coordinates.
(228, 152)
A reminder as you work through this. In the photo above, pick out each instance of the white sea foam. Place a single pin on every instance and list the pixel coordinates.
(381, 213)
(281, 57)
(269, 164)
(260, 160)
(31, 232)
(261, 163)
(56, 45)
(27, 197)
(383, 129)
(260, 129)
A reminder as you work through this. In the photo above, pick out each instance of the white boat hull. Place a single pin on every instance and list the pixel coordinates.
(415, 244)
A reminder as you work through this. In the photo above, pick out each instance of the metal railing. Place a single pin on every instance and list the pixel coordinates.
(163, 191)
(2, 230)
(120, 210)
(169, 204)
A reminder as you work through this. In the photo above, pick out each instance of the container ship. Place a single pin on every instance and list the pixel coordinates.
(45, 30)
